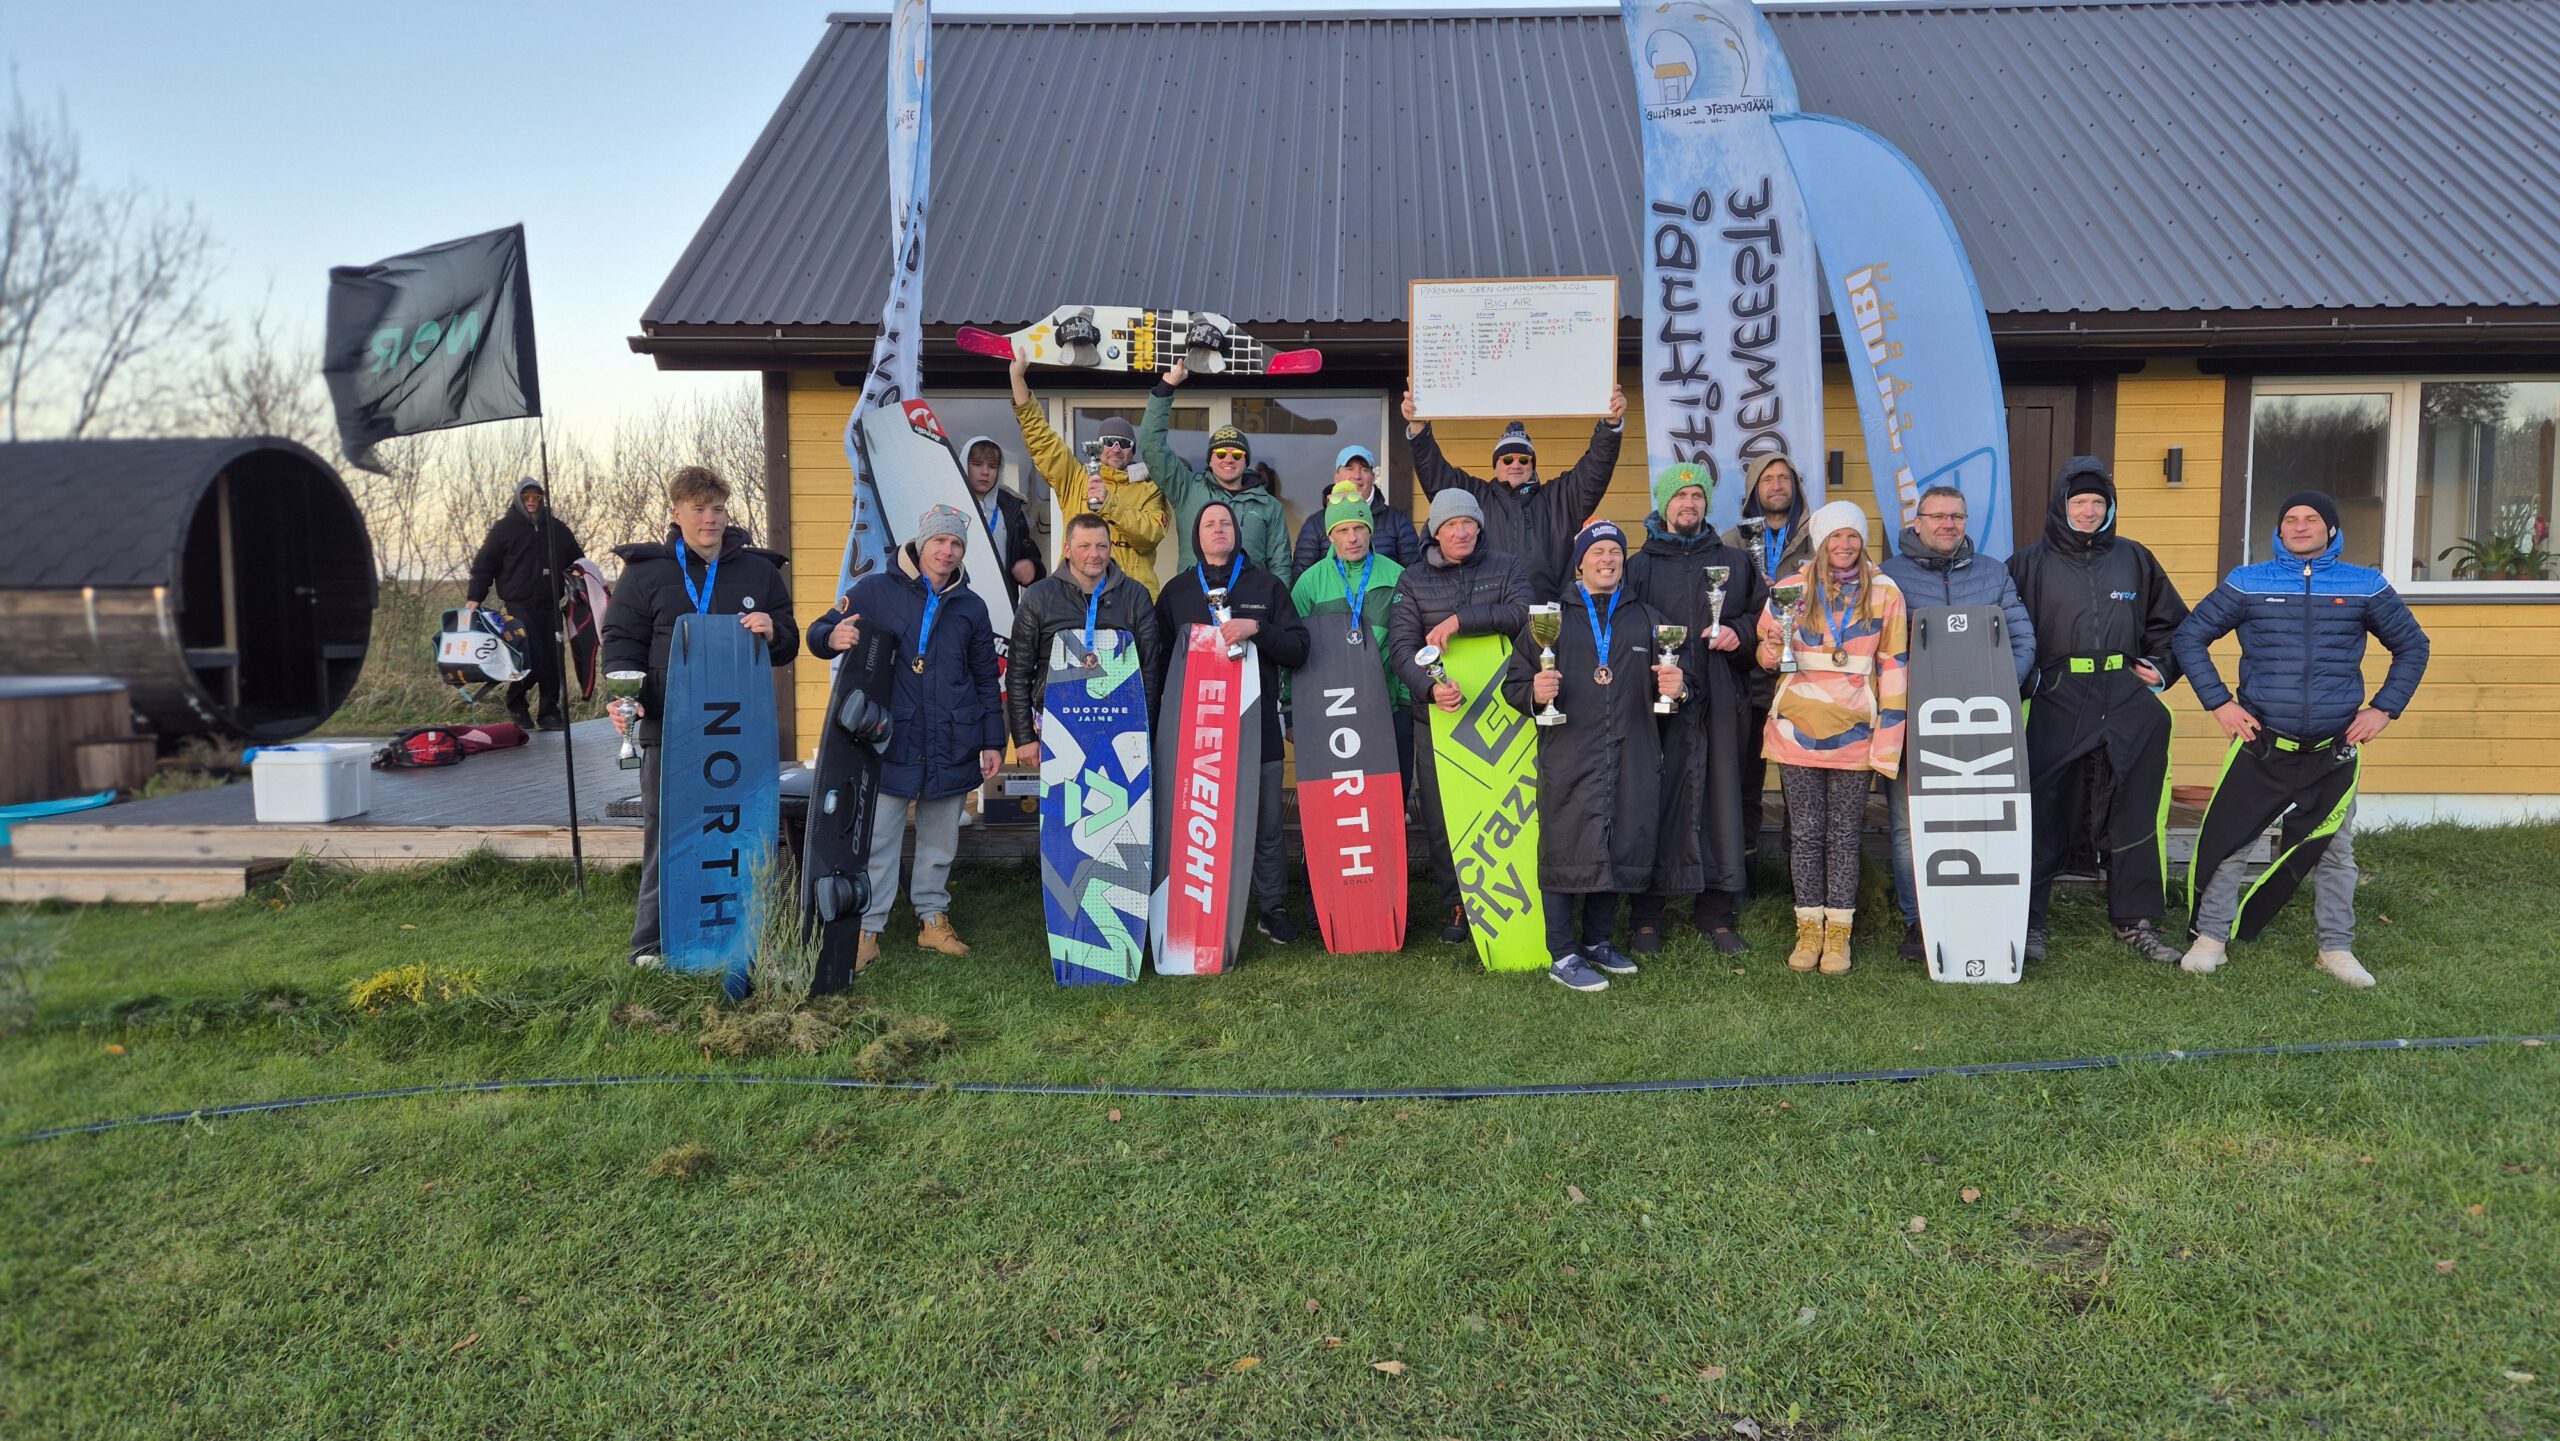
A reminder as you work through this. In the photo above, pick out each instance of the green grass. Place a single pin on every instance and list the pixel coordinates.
(2355, 1245)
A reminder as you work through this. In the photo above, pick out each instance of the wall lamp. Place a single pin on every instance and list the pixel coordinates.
(2174, 465)
(1834, 466)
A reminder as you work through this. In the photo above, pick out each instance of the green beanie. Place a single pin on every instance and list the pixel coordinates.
(1678, 477)
(1343, 503)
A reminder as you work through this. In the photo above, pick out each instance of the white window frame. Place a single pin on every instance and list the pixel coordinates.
(2400, 480)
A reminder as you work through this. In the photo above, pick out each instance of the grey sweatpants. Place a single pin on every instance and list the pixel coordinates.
(937, 841)
(2333, 893)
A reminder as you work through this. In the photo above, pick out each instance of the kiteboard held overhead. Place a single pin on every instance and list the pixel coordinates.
(1145, 340)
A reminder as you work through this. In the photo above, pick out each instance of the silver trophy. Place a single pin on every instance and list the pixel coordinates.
(1546, 625)
(1666, 640)
(1219, 613)
(1788, 601)
(1752, 528)
(1092, 451)
(1429, 659)
(624, 687)
(1717, 575)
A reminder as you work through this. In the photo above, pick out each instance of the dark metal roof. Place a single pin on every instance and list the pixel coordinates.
(2174, 155)
(115, 513)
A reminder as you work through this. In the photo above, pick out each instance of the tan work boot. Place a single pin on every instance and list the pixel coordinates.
(1808, 951)
(1835, 940)
(937, 935)
(2345, 966)
(867, 952)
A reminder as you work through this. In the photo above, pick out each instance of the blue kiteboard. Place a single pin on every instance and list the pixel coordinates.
(1097, 811)
(719, 797)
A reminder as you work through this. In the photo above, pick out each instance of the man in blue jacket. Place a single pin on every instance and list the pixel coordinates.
(946, 714)
(2296, 729)
(1935, 565)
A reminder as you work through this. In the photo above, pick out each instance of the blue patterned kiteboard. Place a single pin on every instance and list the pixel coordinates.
(719, 797)
(1096, 809)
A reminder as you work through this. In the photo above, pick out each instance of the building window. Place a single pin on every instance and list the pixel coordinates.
(2445, 484)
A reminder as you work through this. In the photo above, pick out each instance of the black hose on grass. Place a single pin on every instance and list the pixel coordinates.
(1295, 1093)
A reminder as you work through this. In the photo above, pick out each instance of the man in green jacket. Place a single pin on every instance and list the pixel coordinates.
(1323, 594)
(1262, 525)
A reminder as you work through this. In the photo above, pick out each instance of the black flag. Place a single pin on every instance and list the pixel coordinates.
(435, 338)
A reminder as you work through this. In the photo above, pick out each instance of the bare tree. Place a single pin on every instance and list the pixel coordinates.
(95, 284)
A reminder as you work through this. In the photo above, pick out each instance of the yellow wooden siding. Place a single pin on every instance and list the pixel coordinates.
(2483, 691)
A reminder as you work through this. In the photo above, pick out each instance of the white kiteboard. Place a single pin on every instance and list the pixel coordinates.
(1966, 762)
(1142, 339)
(911, 460)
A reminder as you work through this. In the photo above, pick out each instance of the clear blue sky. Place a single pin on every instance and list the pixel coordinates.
(314, 134)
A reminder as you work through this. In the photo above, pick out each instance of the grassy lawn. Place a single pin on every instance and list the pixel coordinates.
(2347, 1245)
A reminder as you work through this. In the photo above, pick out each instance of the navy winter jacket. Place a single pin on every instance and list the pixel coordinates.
(1963, 578)
(1391, 534)
(941, 719)
(2302, 626)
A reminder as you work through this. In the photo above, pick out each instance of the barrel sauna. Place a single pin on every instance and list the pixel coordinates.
(227, 583)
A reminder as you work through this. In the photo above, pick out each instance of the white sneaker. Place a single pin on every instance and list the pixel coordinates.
(2345, 966)
(2202, 957)
(651, 960)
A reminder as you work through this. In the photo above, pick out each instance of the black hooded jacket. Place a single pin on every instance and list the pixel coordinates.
(510, 560)
(1533, 524)
(2097, 594)
(1256, 595)
(641, 621)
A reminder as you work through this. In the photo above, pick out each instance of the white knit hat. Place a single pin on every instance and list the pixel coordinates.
(1836, 516)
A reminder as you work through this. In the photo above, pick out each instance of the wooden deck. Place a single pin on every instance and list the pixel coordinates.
(514, 802)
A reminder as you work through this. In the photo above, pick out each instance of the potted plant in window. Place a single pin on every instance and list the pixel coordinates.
(2499, 557)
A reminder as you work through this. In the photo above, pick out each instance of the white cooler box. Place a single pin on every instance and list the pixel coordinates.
(312, 781)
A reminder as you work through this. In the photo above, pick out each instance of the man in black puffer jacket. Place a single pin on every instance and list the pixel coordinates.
(657, 586)
(1531, 520)
(1058, 605)
(1461, 588)
(2104, 612)
(1261, 612)
(531, 580)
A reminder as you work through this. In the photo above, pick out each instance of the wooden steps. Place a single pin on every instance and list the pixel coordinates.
(147, 882)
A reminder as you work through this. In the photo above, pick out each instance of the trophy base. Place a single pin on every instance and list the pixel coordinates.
(1787, 666)
(1549, 717)
(628, 763)
(1664, 705)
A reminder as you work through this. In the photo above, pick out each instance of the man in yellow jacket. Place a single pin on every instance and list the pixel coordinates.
(1121, 494)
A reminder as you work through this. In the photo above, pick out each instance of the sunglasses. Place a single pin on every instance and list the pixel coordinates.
(1515, 460)
(1226, 454)
(1113, 442)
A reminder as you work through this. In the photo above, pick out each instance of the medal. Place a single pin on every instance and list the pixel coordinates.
(1839, 655)
(917, 665)
(1602, 676)
(1092, 661)
(1600, 634)
(1355, 637)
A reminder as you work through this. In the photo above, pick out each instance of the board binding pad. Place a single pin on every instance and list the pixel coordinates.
(912, 464)
(1965, 763)
(1487, 759)
(1208, 790)
(1350, 792)
(719, 798)
(1097, 810)
(1133, 338)
(844, 793)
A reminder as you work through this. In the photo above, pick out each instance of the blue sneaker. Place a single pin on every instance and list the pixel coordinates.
(1609, 958)
(1575, 973)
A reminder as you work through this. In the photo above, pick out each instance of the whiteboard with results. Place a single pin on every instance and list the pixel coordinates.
(1513, 349)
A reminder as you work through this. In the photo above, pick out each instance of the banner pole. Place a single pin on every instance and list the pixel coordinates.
(568, 714)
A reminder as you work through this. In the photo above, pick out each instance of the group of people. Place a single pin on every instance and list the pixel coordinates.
(1650, 788)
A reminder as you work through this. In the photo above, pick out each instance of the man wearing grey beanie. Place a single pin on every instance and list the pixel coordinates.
(1460, 588)
(946, 716)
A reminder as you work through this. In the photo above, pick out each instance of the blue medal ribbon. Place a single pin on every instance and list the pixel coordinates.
(710, 578)
(924, 632)
(1093, 608)
(1839, 619)
(1235, 568)
(1355, 597)
(1600, 634)
(1773, 546)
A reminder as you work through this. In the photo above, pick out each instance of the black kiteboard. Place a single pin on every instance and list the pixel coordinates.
(844, 789)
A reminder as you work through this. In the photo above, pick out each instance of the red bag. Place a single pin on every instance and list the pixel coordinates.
(446, 745)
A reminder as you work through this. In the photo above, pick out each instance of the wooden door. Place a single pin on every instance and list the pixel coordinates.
(2042, 427)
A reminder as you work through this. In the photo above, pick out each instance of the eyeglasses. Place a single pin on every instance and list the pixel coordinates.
(1226, 455)
(1514, 460)
(1957, 517)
